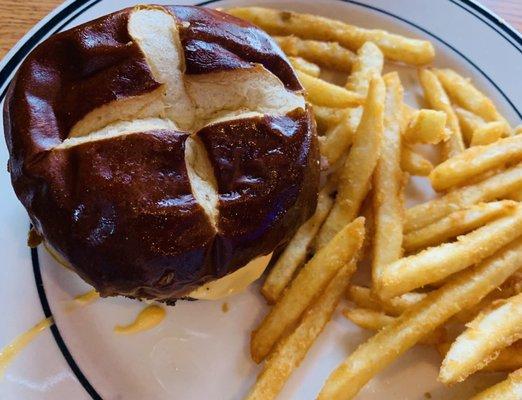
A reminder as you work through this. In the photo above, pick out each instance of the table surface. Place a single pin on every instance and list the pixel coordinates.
(18, 16)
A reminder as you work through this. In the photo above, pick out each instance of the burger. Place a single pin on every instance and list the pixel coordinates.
(162, 152)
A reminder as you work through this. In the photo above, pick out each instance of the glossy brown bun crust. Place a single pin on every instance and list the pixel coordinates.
(121, 210)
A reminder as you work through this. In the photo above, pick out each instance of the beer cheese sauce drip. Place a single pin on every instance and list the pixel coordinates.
(148, 318)
(87, 298)
(9, 352)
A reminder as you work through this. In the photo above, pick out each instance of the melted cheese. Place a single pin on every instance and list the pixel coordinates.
(148, 318)
(87, 298)
(9, 352)
(233, 283)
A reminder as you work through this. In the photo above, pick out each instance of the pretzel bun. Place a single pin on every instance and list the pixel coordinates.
(159, 148)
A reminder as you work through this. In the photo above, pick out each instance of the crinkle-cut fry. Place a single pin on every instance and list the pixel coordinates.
(508, 389)
(363, 297)
(328, 117)
(324, 93)
(475, 161)
(436, 263)
(462, 291)
(339, 138)
(368, 65)
(462, 92)
(306, 286)
(490, 332)
(437, 99)
(376, 320)
(488, 133)
(356, 173)
(508, 359)
(427, 126)
(469, 122)
(414, 163)
(295, 252)
(325, 54)
(291, 350)
(495, 187)
(306, 66)
(388, 187)
(307, 26)
(455, 224)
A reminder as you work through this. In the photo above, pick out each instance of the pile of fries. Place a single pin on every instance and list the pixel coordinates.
(446, 273)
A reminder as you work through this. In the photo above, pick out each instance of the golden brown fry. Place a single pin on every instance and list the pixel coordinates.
(364, 298)
(413, 163)
(462, 291)
(475, 161)
(508, 360)
(495, 187)
(328, 117)
(292, 349)
(388, 188)
(368, 65)
(326, 54)
(518, 130)
(307, 26)
(517, 196)
(306, 66)
(376, 320)
(488, 133)
(481, 342)
(509, 389)
(327, 94)
(468, 122)
(462, 92)
(306, 286)
(427, 126)
(295, 252)
(436, 263)
(355, 177)
(437, 99)
(457, 223)
(339, 138)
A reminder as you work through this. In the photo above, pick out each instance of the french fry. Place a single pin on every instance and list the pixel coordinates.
(306, 286)
(462, 92)
(436, 263)
(364, 298)
(509, 389)
(413, 163)
(327, 94)
(339, 138)
(481, 342)
(306, 66)
(368, 65)
(455, 224)
(328, 117)
(468, 122)
(388, 189)
(518, 130)
(508, 359)
(292, 349)
(462, 291)
(475, 161)
(517, 196)
(326, 54)
(354, 180)
(307, 26)
(295, 252)
(427, 126)
(376, 320)
(437, 99)
(488, 133)
(495, 187)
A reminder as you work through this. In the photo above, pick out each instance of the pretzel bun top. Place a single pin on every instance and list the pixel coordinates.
(161, 147)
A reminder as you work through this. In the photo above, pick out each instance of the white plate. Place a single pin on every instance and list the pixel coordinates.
(200, 352)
